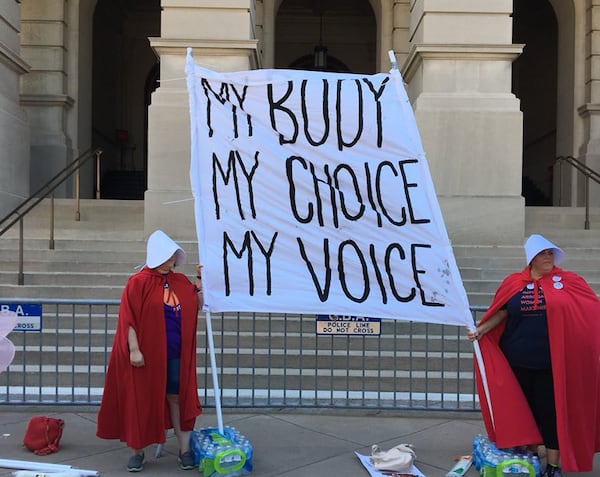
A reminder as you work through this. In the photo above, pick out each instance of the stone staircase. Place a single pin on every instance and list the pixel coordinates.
(93, 258)
(483, 267)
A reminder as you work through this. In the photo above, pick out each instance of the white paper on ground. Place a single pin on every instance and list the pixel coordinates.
(376, 473)
(36, 473)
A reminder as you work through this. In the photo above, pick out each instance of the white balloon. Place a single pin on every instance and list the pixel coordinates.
(7, 353)
(8, 320)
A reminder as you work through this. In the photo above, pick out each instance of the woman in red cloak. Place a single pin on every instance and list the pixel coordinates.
(151, 383)
(540, 343)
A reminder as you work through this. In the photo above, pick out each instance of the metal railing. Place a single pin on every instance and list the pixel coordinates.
(264, 361)
(587, 172)
(47, 190)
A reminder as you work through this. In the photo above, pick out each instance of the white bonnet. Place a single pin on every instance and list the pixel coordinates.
(160, 248)
(536, 243)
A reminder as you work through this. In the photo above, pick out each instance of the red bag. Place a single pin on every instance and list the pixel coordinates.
(43, 434)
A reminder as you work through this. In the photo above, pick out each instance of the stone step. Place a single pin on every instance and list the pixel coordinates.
(119, 219)
(70, 266)
(571, 219)
(498, 274)
(518, 251)
(68, 279)
(93, 257)
(480, 298)
(49, 291)
(59, 256)
(79, 245)
(589, 262)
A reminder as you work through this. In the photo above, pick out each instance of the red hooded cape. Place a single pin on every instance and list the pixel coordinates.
(573, 313)
(134, 407)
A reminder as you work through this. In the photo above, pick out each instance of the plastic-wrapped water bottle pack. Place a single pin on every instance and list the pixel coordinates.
(227, 454)
(512, 462)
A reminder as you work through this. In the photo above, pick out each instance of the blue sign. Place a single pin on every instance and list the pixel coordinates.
(29, 317)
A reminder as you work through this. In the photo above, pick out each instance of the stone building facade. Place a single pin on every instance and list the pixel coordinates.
(500, 89)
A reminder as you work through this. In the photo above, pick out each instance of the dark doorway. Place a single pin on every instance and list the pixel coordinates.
(329, 35)
(124, 72)
(535, 84)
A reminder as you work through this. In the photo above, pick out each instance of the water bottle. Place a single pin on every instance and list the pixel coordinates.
(489, 468)
(535, 462)
(515, 468)
(477, 451)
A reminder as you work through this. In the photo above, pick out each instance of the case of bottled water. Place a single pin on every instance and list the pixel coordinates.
(221, 455)
(512, 462)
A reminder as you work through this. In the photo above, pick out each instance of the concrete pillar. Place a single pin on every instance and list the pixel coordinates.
(400, 29)
(268, 34)
(459, 74)
(14, 126)
(44, 90)
(590, 110)
(222, 38)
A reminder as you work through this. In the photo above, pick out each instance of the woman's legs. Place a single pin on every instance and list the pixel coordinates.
(183, 437)
(553, 457)
(545, 410)
(538, 387)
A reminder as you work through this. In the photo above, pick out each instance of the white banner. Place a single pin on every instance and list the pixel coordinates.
(313, 195)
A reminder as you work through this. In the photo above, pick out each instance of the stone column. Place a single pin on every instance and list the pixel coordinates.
(589, 152)
(222, 38)
(400, 28)
(14, 126)
(44, 90)
(459, 74)
(268, 34)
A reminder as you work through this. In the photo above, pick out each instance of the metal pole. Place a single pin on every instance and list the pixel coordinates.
(215, 377)
(560, 182)
(21, 275)
(51, 243)
(98, 154)
(587, 202)
(77, 209)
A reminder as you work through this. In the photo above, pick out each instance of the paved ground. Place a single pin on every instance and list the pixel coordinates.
(286, 443)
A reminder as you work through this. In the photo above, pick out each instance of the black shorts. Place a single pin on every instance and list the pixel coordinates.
(173, 376)
(538, 387)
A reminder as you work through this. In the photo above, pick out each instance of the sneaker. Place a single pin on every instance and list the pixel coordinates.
(553, 471)
(135, 463)
(186, 461)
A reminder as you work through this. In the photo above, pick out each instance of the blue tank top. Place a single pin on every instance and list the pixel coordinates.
(172, 323)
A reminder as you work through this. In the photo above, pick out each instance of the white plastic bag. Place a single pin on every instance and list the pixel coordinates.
(399, 458)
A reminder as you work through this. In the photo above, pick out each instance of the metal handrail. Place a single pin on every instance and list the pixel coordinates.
(588, 173)
(19, 212)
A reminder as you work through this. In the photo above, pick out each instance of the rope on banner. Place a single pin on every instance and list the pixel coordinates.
(170, 79)
(170, 202)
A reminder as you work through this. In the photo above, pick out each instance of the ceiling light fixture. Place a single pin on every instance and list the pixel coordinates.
(320, 52)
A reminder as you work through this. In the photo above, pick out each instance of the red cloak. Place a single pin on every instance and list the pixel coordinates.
(573, 313)
(134, 407)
